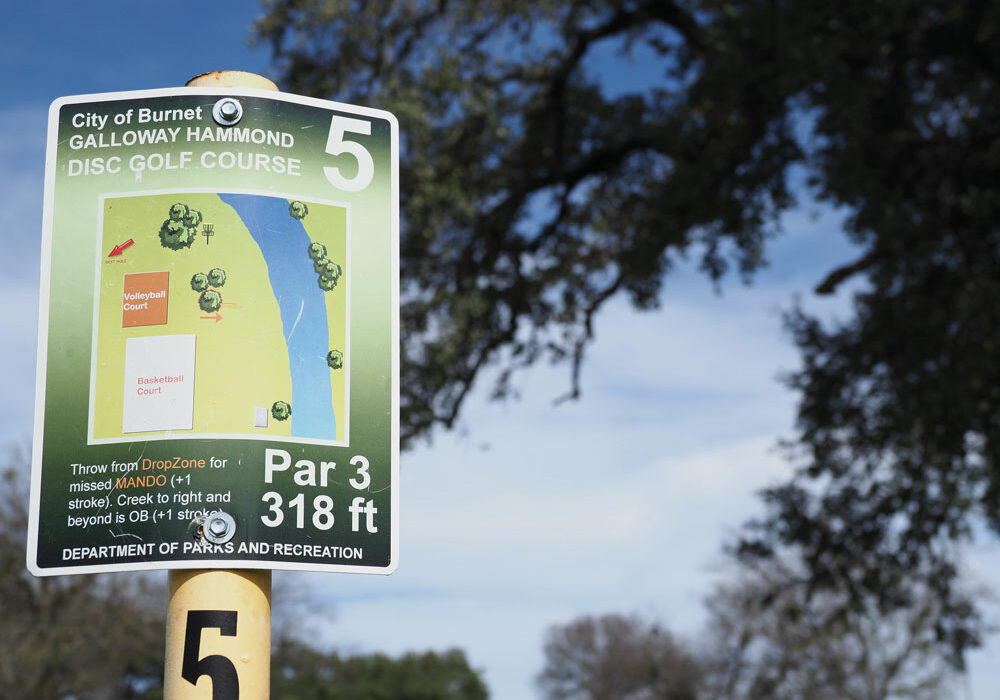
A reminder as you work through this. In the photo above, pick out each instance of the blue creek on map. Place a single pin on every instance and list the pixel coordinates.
(283, 241)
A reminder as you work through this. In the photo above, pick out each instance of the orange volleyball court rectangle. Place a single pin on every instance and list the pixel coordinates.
(144, 299)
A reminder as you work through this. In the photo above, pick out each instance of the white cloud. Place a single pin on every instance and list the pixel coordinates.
(618, 502)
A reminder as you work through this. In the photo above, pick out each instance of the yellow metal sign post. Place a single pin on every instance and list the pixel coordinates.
(219, 621)
(219, 627)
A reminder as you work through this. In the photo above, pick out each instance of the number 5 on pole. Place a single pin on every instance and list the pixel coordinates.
(335, 145)
(225, 682)
(238, 665)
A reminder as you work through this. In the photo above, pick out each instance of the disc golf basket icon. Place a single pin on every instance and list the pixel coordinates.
(208, 230)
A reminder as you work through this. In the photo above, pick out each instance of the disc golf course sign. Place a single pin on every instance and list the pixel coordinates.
(218, 335)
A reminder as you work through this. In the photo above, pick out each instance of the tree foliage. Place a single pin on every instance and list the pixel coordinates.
(614, 657)
(88, 637)
(899, 417)
(535, 189)
(529, 196)
(300, 672)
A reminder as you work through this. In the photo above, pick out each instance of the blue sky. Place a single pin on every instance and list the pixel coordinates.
(629, 492)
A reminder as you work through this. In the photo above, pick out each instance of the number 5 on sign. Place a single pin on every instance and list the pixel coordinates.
(336, 145)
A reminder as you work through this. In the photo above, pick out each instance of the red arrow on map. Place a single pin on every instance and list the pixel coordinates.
(119, 248)
(217, 316)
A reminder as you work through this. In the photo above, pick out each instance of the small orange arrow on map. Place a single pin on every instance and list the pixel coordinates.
(217, 316)
(117, 250)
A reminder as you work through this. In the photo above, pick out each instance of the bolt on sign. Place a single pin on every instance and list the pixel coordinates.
(218, 335)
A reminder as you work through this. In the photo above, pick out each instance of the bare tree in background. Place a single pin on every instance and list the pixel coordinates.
(770, 637)
(614, 657)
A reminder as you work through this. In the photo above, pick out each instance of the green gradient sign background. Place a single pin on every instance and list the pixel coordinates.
(87, 128)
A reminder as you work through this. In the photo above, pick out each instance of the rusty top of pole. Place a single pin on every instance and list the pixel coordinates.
(232, 78)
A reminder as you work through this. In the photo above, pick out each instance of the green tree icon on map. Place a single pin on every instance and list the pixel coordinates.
(335, 358)
(281, 410)
(210, 300)
(180, 228)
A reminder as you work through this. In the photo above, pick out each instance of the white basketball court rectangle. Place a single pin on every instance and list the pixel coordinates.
(159, 383)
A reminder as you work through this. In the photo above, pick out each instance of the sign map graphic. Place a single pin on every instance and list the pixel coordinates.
(265, 289)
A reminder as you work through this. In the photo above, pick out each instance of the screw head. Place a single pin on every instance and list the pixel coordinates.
(219, 527)
(227, 111)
